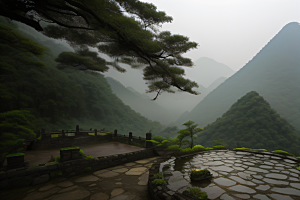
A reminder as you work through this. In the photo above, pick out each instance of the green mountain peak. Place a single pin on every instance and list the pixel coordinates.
(251, 122)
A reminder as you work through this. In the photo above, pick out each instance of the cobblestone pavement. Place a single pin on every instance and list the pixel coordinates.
(123, 182)
(237, 175)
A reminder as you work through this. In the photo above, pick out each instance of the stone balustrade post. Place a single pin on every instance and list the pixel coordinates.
(130, 137)
(148, 143)
(115, 133)
(77, 130)
(95, 131)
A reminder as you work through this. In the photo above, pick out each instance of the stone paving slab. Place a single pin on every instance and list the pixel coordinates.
(107, 184)
(242, 175)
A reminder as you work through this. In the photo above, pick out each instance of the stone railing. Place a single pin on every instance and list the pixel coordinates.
(47, 142)
(72, 164)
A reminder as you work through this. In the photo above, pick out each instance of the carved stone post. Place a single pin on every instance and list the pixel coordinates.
(95, 131)
(115, 133)
(148, 143)
(130, 137)
(77, 130)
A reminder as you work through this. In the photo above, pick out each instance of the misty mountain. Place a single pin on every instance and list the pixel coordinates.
(144, 96)
(137, 102)
(252, 123)
(60, 99)
(207, 70)
(55, 45)
(215, 84)
(179, 101)
(274, 73)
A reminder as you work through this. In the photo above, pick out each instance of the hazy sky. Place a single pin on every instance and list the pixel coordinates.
(229, 31)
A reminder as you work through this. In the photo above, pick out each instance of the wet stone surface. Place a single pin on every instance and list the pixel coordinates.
(123, 182)
(237, 175)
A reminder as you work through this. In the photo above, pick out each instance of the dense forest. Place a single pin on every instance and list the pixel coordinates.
(59, 99)
(273, 73)
(252, 123)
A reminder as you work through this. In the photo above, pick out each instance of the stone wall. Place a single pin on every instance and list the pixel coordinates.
(23, 177)
(68, 141)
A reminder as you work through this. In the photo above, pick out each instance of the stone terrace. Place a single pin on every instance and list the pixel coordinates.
(123, 182)
(237, 175)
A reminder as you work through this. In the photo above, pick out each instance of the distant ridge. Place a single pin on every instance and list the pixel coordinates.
(137, 102)
(215, 84)
(252, 123)
(274, 73)
(207, 70)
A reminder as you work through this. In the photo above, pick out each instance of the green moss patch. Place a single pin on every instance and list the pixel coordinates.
(248, 149)
(15, 154)
(159, 182)
(68, 148)
(196, 192)
(283, 152)
(158, 175)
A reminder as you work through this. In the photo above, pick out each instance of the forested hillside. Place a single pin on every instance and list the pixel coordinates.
(252, 123)
(59, 99)
(145, 107)
(273, 73)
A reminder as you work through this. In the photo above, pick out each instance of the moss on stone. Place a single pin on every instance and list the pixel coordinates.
(283, 152)
(15, 154)
(68, 148)
(159, 182)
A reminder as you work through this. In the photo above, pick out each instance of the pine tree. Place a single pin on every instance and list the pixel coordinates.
(125, 30)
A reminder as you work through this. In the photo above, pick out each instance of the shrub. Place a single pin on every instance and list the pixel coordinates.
(164, 144)
(89, 157)
(198, 147)
(298, 157)
(185, 150)
(82, 153)
(158, 138)
(283, 152)
(159, 182)
(196, 192)
(219, 146)
(57, 159)
(208, 148)
(173, 147)
(158, 175)
(155, 143)
(298, 168)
